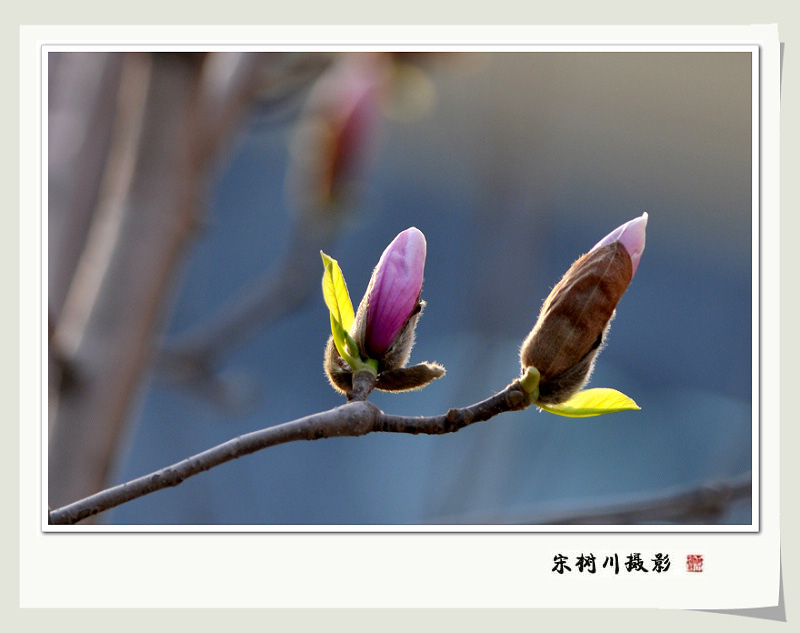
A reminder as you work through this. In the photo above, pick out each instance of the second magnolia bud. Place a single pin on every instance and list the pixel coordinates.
(575, 316)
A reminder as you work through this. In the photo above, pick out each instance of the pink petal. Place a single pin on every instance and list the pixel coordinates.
(395, 289)
(631, 235)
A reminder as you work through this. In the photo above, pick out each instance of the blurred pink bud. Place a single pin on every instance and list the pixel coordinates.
(632, 236)
(394, 290)
(358, 111)
(336, 130)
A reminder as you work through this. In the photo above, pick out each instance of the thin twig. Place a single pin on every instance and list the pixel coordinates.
(363, 383)
(350, 420)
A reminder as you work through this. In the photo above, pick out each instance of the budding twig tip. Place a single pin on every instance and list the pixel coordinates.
(530, 382)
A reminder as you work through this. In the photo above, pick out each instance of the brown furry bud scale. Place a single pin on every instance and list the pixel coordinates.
(573, 320)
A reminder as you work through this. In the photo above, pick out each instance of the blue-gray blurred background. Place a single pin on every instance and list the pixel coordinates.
(512, 164)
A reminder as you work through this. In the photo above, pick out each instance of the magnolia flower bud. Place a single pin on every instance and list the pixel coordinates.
(575, 316)
(392, 302)
(385, 322)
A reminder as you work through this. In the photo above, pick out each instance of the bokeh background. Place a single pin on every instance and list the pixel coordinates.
(513, 165)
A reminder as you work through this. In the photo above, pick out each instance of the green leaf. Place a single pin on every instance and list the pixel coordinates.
(334, 289)
(592, 402)
(338, 337)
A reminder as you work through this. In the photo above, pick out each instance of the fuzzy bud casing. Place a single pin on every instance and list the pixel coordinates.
(575, 316)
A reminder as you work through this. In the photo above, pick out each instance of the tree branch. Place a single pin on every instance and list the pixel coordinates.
(350, 420)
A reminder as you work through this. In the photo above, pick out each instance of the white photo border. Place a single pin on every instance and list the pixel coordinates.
(390, 542)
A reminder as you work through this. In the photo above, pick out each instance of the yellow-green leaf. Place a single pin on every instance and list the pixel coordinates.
(334, 289)
(592, 402)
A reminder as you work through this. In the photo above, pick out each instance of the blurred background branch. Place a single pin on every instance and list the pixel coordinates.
(164, 118)
(705, 503)
(135, 139)
(329, 144)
